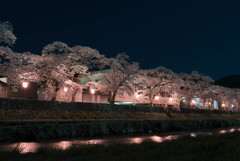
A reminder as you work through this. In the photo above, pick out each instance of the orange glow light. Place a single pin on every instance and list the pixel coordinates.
(65, 89)
(92, 91)
(25, 84)
(193, 101)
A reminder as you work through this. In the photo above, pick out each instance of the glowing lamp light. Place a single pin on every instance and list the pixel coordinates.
(137, 95)
(209, 103)
(170, 99)
(92, 91)
(223, 105)
(65, 89)
(232, 105)
(25, 84)
(156, 98)
(193, 101)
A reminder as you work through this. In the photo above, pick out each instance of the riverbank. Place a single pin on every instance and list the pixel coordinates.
(45, 130)
(33, 120)
(220, 147)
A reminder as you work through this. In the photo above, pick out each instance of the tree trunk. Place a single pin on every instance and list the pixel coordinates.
(189, 103)
(151, 100)
(109, 97)
(151, 104)
(112, 97)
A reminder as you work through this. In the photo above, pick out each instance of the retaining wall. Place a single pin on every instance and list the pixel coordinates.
(13, 104)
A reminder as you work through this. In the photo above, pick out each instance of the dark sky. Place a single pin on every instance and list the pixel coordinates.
(180, 35)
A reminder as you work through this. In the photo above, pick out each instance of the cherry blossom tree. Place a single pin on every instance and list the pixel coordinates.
(194, 85)
(88, 57)
(6, 34)
(17, 67)
(56, 48)
(56, 68)
(228, 99)
(118, 78)
(155, 81)
(237, 92)
(61, 65)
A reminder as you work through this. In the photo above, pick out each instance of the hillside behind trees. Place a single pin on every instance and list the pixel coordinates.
(232, 81)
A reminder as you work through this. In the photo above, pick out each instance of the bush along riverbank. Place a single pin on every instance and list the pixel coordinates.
(219, 147)
(36, 131)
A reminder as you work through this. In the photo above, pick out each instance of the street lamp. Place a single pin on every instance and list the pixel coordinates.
(171, 101)
(24, 85)
(65, 89)
(156, 98)
(92, 91)
(194, 102)
(137, 95)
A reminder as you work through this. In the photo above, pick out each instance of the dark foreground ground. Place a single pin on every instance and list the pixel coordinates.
(221, 147)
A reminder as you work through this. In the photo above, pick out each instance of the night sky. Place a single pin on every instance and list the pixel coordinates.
(182, 36)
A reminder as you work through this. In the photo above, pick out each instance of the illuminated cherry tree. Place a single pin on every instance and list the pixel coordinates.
(194, 85)
(155, 81)
(118, 78)
(63, 66)
(17, 67)
(228, 99)
(6, 34)
(88, 57)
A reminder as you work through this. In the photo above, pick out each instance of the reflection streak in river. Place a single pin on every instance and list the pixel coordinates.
(34, 146)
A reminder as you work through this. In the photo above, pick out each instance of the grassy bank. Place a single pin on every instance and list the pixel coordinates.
(221, 147)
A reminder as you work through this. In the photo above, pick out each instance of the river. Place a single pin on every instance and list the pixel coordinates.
(64, 144)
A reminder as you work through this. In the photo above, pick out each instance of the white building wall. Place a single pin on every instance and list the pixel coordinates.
(79, 96)
(93, 98)
(4, 80)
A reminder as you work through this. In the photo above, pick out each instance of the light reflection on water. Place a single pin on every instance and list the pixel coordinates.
(157, 139)
(34, 146)
(223, 131)
(136, 140)
(232, 130)
(25, 146)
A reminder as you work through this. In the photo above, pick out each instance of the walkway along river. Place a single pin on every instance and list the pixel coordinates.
(64, 144)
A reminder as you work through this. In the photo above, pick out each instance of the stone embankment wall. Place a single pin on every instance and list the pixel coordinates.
(11, 104)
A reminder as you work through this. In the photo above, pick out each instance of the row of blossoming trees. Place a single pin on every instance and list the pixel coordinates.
(60, 65)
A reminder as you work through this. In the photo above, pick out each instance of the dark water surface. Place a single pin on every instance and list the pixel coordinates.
(64, 144)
